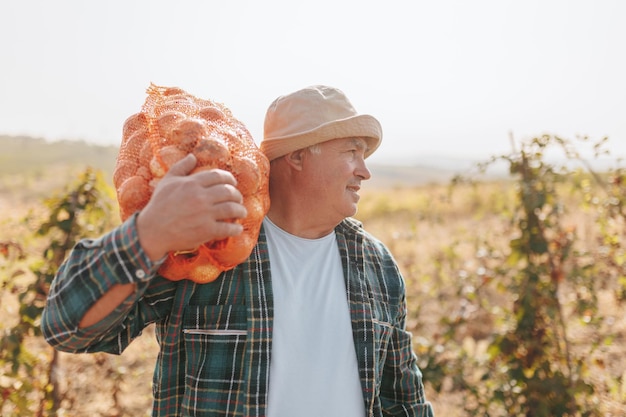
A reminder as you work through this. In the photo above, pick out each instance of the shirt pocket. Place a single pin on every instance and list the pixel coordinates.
(383, 331)
(215, 341)
(383, 327)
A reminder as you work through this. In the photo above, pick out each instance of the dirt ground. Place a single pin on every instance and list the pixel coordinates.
(118, 386)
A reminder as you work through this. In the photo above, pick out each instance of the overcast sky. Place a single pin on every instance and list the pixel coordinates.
(444, 77)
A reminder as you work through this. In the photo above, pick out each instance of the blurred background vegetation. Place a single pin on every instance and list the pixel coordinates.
(516, 280)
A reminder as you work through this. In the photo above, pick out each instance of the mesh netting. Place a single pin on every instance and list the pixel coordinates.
(170, 125)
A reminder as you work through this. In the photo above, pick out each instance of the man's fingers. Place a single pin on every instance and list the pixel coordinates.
(223, 193)
(224, 229)
(183, 167)
(212, 177)
(229, 210)
(206, 177)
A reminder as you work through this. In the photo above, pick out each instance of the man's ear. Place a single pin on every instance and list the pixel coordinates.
(295, 159)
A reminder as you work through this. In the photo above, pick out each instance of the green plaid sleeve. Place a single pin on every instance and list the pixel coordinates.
(93, 267)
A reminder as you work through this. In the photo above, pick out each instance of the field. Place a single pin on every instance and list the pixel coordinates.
(446, 245)
(453, 245)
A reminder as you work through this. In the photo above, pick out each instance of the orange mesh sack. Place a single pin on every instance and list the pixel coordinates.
(170, 125)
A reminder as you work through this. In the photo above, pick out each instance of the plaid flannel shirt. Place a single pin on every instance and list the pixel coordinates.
(215, 339)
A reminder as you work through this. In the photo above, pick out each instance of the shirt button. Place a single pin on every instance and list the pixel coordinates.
(140, 273)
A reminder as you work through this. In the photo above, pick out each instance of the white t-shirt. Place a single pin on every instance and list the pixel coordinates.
(313, 368)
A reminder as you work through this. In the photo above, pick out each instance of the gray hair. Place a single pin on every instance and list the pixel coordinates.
(315, 149)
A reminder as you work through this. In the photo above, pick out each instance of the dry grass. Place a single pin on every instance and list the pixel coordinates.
(442, 240)
(425, 227)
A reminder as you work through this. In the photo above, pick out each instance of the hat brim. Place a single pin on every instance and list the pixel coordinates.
(362, 125)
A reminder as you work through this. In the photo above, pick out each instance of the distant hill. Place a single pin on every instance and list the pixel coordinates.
(385, 176)
(28, 155)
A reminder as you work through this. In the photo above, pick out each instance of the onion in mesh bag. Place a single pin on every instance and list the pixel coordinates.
(170, 125)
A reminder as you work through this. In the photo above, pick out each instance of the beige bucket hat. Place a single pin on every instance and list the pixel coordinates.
(313, 115)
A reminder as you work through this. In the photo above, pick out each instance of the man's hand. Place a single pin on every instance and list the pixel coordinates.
(186, 210)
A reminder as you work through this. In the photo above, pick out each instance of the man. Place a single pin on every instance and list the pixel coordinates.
(311, 324)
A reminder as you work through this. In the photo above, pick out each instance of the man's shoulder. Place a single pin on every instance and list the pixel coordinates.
(352, 224)
(352, 227)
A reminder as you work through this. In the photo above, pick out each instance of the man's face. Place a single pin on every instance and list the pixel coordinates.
(335, 176)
